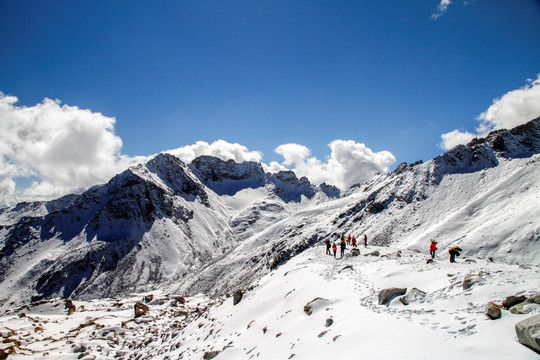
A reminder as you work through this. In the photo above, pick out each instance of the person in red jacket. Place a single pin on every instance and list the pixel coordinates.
(334, 247)
(353, 240)
(433, 248)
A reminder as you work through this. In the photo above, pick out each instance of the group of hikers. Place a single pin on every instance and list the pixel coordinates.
(343, 242)
(351, 240)
(453, 251)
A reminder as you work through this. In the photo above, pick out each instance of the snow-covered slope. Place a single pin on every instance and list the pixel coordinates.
(443, 319)
(212, 226)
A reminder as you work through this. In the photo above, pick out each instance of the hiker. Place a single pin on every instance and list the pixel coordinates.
(454, 251)
(365, 240)
(328, 247)
(353, 240)
(334, 247)
(343, 245)
(349, 240)
(433, 248)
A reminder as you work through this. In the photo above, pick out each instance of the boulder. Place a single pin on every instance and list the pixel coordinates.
(237, 296)
(493, 311)
(387, 295)
(524, 307)
(314, 305)
(210, 355)
(470, 280)
(355, 252)
(512, 301)
(413, 295)
(148, 298)
(528, 332)
(3, 355)
(70, 306)
(535, 299)
(373, 253)
(141, 309)
(329, 322)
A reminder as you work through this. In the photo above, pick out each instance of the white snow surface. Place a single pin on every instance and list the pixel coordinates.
(270, 322)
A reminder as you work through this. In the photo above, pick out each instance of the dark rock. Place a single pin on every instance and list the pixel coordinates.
(313, 304)
(355, 252)
(387, 295)
(329, 322)
(528, 332)
(70, 306)
(348, 267)
(430, 261)
(237, 296)
(513, 300)
(148, 298)
(210, 355)
(322, 334)
(141, 309)
(3, 355)
(493, 311)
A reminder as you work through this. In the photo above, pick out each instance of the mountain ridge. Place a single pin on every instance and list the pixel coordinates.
(213, 225)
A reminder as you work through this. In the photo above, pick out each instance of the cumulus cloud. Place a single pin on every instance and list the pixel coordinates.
(61, 148)
(349, 163)
(514, 108)
(220, 149)
(441, 9)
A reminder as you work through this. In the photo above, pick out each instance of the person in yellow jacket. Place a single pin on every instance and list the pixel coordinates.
(454, 251)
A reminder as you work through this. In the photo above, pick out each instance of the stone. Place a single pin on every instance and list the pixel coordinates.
(348, 267)
(314, 305)
(329, 322)
(141, 309)
(210, 355)
(513, 300)
(148, 298)
(413, 295)
(493, 311)
(237, 296)
(535, 299)
(355, 252)
(3, 355)
(373, 253)
(528, 332)
(387, 295)
(470, 280)
(70, 306)
(524, 307)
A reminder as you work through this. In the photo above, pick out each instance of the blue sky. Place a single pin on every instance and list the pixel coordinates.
(388, 74)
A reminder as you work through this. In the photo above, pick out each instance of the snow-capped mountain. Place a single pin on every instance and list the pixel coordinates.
(212, 226)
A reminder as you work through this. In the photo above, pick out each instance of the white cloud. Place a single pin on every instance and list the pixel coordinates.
(349, 163)
(220, 149)
(514, 108)
(441, 9)
(63, 148)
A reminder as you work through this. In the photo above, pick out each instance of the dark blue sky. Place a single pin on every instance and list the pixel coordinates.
(265, 73)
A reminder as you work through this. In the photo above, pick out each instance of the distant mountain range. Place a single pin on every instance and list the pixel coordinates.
(212, 225)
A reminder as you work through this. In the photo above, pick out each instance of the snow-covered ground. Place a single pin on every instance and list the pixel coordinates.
(447, 322)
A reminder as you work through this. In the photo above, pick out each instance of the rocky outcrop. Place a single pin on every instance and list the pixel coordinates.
(227, 177)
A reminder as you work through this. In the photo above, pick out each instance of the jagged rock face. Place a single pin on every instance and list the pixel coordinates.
(227, 177)
(289, 188)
